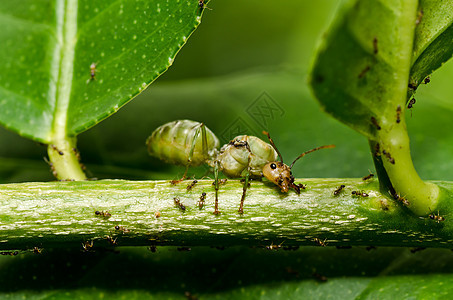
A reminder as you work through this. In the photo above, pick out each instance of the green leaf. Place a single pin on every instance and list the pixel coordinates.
(361, 69)
(361, 76)
(433, 38)
(46, 86)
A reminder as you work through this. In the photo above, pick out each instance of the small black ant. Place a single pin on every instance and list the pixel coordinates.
(411, 104)
(37, 250)
(273, 246)
(398, 114)
(178, 203)
(403, 200)
(427, 80)
(412, 86)
(377, 151)
(221, 181)
(104, 214)
(112, 240)
(152, 248)
(389, 157)
(359, 194)
(76, 153)
(319, 242)
(121, 228)
(57, 150)
(384, 204)
(52, 167)
(87, 245)
(301, 186)
(201, 202)
(202, 5)
(11, 253)
(338, 190)
(364, 71)
(438, 218)
(371, 248)
(191, 185)
(367, 177)
(92, 71)
(375, 123)
(375, 45)
(397, 197)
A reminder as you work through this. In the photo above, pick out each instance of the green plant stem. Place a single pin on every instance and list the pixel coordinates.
(62, 214)
(64, 160)
(395, 158)
(393, 138)
(62, 148)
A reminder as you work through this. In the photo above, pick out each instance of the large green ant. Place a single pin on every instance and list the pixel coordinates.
(191, 143)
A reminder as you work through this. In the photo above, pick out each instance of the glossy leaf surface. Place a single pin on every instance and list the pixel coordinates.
(362, 69)
(433, 38)
(67, 65)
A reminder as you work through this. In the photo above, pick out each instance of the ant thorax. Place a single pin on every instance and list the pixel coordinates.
(244, 153)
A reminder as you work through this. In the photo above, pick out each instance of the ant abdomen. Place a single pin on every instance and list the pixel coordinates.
(173, 142)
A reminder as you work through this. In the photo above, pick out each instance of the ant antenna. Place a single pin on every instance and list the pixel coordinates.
(309, 151)
(273, 145)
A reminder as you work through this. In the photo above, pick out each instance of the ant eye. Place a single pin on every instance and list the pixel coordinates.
(273, 166)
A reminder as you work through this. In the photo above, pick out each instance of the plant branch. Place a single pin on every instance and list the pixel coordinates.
(403, 180)
(64, 160)
(392, 139)
(62, 148)
(62, 214)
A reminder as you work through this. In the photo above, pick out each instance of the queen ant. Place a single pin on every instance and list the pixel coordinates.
(191, 143)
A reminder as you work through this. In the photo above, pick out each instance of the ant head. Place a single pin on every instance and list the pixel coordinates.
(280, 174)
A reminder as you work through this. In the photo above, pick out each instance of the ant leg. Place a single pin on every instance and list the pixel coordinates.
(200, 129)
(216, 184)
(244, 190)
(176, 181)
(204, 142)
(246, 180)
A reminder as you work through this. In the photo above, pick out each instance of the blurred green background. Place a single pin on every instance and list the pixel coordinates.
(243, 71)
